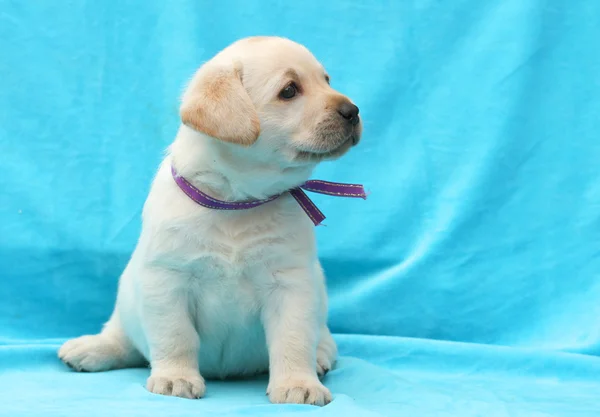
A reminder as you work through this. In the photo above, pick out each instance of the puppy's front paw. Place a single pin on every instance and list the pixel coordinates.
(183, 385)
(308, 390)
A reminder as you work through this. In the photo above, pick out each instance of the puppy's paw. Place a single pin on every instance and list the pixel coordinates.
(308, 390)
(189, 385)
(91, 353)
(323, 365)
(326, 353)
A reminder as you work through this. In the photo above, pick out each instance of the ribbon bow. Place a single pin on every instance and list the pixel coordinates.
(315, 186)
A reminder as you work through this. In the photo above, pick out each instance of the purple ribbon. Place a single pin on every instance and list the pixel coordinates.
(315, 186)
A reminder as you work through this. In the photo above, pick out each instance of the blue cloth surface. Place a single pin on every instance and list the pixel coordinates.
(468, 284)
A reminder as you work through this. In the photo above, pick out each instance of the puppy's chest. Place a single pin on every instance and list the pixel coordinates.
(232, 250)
(236, 252)
(231, 271)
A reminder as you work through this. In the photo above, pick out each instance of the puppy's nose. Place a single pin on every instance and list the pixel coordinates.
(349, 112)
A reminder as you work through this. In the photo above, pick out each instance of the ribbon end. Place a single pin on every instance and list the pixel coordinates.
(318, 220)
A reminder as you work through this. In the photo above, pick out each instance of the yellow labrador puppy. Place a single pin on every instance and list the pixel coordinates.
(228, 293)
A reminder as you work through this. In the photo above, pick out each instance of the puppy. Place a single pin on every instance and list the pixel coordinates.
(223, 293)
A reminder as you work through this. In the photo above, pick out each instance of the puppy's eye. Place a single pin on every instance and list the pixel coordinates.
(327, 79)
(288, 92)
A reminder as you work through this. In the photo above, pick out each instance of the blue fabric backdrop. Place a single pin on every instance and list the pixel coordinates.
(467, 285)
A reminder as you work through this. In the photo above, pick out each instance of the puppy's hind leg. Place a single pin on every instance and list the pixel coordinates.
(327, 348)
(110, 349)
(326, 352)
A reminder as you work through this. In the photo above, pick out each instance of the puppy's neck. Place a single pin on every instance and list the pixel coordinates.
(231, 172)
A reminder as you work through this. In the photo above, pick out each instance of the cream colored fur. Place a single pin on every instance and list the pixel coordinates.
(215, 293)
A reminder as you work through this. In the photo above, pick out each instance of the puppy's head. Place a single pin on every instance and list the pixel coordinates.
(272, 95)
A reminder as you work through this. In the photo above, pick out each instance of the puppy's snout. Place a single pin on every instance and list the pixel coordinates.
(349, 112)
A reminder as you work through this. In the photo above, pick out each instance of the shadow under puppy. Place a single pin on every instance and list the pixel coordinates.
(229, 293)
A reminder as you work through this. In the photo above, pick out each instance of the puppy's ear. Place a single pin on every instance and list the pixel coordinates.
(217, 104)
